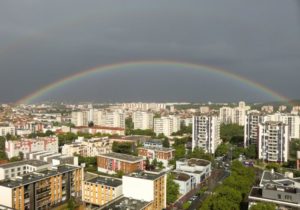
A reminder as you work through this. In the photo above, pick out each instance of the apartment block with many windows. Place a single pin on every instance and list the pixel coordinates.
(111, 163)
(43, 189)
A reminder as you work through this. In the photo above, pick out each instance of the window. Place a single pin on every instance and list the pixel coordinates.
(279, 196)
(288, 197)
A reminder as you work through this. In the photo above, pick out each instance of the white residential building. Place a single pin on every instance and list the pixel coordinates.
(153, 188)
(292, 121)
(13, 148)
(106, 118)
(186, 182)
(87, 147)
(206, 133)
(7, 129)
(142, 120)
(80, 118)
(253, 118)
(166, 125)
(14, 169)
(197, 168)
(234, 115)
(273, 142)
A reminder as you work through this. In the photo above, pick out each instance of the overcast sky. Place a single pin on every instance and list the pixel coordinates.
(43, 41)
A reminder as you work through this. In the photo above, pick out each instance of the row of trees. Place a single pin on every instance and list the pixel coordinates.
(233, 191)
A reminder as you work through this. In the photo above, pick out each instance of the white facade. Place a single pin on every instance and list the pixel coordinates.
(88, 147)
(80, 118)
(12, 170)
(292, 121)
(109, 118)
(234, 115)
(7, 129)
(206, 133)
(253, 118)
(273, 142)
(166, 125)
(13, 148)
(144, 106)
(197, 168)
(142, 120)
(184, 181)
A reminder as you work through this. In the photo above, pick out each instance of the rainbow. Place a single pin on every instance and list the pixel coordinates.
(103, 68)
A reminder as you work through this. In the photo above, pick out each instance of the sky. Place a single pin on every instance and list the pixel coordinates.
(44, 41)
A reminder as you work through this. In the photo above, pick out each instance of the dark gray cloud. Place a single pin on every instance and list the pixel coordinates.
(43, 41)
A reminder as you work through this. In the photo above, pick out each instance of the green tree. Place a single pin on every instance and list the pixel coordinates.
(222, 150)
(123, 147)
(71, 204)
(250, 152)
(263, 206)
(294, 147)
(129, 126)
(232, 133)
(172, 189)
(166, 143)
(179, 151)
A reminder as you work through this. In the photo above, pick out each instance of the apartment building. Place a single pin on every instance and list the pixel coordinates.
(206, 133)
(53, 158)
(87, 147)
(15, 169)
(109, 118)
(144, 106)
(235, 115)
(273, 142)
(80, 118)
(43, 189)
(154, 188)
(101, 190)
(127, 203)
(252, 120)
(142, 120)
(292, 121)
(278, 189)
(99, 129)
(198, 168)
(163, 155)
(111, 163)
(7, 129)
(267, 109)
(166, 125)
(13, 148)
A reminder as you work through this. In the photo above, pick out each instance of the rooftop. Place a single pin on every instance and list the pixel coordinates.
(105, 181)
(146, 175)
(162, 149)
(181, 176)
(195, 161)
(123, 157)
(125, 203)
(36, 176)
(35, 163)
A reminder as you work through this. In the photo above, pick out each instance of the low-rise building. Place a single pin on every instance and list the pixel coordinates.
(163, 155)
(87, 147)
(15, 169)
(53, 158)
(99, 129)
(198, 168)
(277, 189)
(134, 139)
(186, 182)
(157, 143)
(101, 190)
(13, 148)
(111, 163)
(7, 129)
(43, 189)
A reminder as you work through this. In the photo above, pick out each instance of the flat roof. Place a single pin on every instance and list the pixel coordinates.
(180, 176)
(195, 161)
(35, 163)
(113, 182)
(36, 176)
(124, 157)
(145, 175)
(125, 203)
(162, 149)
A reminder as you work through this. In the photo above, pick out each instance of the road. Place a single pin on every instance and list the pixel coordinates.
(211, 183)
